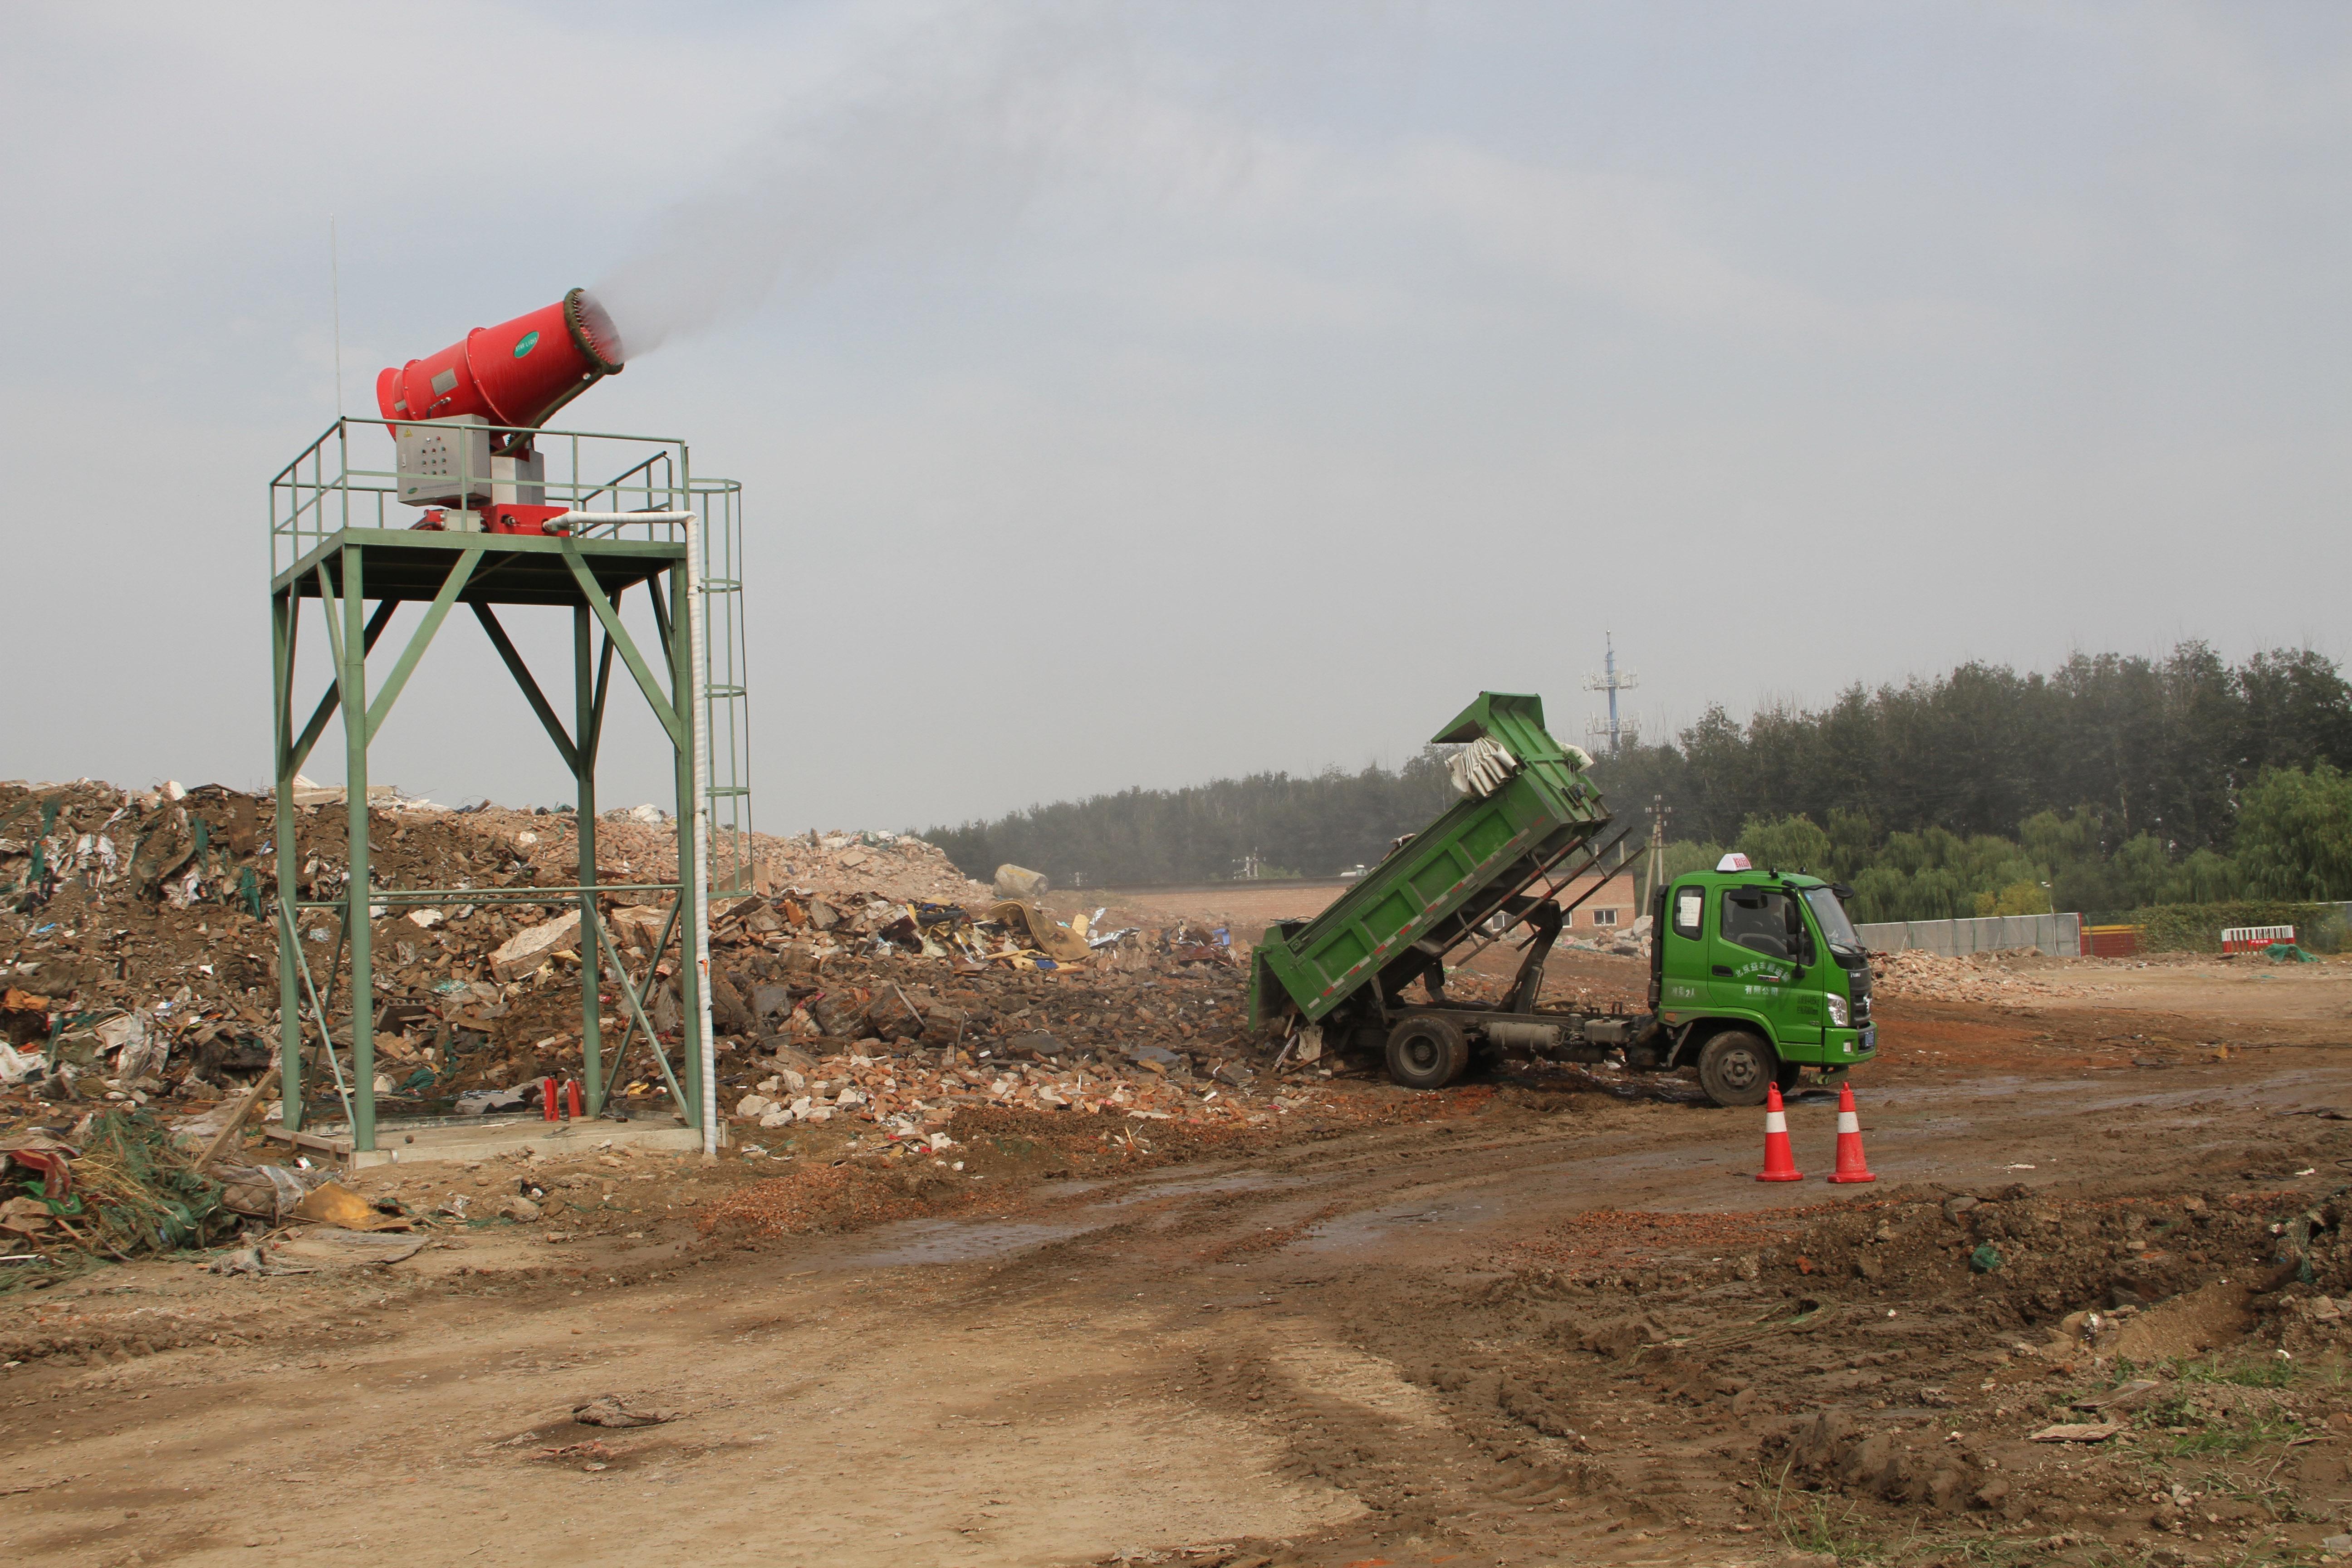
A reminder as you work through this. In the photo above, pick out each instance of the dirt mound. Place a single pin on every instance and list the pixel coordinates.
(2089, 1372)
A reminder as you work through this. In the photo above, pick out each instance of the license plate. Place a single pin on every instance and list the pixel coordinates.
(1868, 1040)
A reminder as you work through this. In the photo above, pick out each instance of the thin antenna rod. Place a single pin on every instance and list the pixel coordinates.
(335, 282)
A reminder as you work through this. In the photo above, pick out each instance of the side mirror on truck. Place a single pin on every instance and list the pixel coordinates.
(1801, 950)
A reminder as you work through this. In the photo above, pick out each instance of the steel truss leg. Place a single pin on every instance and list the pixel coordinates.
(357, 911)
(691, 978)
(583, 803)
(283, 621)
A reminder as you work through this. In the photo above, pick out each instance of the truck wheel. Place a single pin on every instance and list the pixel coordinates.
(1427, 1053)
(1734, 1068)
(1791, 1075)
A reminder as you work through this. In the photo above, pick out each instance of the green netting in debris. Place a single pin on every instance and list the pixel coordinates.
(2288, 953)
(139, 1191)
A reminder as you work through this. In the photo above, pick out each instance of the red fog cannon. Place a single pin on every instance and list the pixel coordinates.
(517, 374)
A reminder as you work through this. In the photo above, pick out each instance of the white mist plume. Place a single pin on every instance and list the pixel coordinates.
(952, 120)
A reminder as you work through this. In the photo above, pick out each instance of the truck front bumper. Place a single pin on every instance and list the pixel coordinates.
(1840, 1047)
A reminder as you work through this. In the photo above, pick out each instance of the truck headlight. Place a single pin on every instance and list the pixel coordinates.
(1838, 1013)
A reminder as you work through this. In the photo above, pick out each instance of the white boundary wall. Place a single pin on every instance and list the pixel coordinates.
(2058, 934)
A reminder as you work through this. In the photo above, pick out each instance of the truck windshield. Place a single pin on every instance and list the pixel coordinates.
(1836, 930)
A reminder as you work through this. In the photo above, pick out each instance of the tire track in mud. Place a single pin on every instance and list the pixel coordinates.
(1430, 1457)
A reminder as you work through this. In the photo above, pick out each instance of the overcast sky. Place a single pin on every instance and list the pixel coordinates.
(1141, 393)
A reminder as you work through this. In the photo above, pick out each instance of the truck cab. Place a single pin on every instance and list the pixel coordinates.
(1754, 977)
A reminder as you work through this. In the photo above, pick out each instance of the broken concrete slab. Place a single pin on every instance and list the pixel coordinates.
(524, 952)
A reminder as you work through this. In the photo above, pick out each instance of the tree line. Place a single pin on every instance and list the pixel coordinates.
(1274, 825)
(2110, 782)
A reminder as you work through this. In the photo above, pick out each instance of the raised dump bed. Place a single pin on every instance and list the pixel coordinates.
(1527, 808)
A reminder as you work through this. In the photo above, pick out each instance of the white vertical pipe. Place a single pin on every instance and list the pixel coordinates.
(698, 708)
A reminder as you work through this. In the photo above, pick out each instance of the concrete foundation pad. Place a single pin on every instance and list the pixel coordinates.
(492, 1138)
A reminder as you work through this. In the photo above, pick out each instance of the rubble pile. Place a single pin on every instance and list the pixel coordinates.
(900, 1017)
(640, 843)
(142, 968)
(1623, 941)
(1979, 977)
(912, 1091)
(129, 925)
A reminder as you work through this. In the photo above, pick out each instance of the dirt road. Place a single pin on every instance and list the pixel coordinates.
(1537, 1320)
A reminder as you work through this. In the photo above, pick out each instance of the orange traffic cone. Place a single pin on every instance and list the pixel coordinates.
(1851, 1166)
(1780, 1161)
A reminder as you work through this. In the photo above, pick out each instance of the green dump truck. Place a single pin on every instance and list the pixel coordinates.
(1755, 975)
